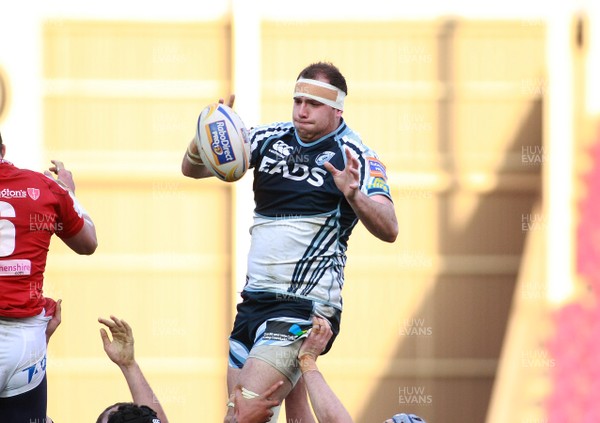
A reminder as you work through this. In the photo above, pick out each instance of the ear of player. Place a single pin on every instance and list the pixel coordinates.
(222, 140)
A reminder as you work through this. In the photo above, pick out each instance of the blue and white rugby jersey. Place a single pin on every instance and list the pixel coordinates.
(302, 222)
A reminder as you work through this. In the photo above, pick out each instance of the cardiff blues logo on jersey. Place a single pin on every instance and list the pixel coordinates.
(324, 157)
(220, 143)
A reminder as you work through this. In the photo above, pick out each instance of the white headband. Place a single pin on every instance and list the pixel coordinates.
(321, 91)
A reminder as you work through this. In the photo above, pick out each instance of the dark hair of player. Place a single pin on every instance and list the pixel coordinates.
(329, 71)
(128, 412)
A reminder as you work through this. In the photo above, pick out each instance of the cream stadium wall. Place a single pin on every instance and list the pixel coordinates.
(120, 106)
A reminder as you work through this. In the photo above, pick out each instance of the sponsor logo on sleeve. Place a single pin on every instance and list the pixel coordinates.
(378, 185)
(376, 168)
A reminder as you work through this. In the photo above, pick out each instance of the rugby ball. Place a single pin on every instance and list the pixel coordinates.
(222, 140)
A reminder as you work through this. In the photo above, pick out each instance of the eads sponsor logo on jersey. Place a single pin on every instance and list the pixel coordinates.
(293, 166)
(8, 193)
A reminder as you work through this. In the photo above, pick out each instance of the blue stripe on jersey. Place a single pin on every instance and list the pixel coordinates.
(345, 141)
(321, 243)
(332, 263)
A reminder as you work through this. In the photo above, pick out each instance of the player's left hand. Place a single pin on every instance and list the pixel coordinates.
(348, 179)
(255, 409)
(64, 177)
(55, 321)
(120, 349)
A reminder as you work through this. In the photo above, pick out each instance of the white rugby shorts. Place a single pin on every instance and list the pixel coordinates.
(22, 354)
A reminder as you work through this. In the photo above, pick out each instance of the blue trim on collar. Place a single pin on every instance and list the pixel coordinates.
(338, 132)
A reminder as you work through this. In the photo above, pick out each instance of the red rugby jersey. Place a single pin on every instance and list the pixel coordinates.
(33, 207)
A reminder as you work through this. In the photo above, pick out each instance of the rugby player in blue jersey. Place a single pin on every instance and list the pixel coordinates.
(314, 179)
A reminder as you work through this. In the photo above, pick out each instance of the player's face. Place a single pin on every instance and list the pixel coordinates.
(314, 119)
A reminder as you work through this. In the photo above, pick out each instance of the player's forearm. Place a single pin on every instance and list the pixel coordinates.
(85, 241)
(194, 171)
(191, 164)
(327, 406)
(378, 217)
(297, 408)
(140, 389)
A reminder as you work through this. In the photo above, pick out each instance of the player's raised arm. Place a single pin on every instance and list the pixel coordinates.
(327, 406)
(121, 351)
(85, 241)
(375, 212)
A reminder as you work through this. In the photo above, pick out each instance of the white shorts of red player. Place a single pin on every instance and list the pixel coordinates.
(22, 354)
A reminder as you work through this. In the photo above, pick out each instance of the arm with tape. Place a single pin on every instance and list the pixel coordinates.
(326, 405)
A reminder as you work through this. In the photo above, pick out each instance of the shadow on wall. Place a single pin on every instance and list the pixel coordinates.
(444, 362)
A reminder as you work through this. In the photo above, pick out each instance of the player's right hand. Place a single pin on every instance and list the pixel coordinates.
(230, 101)
(317, 340)
(64, 177)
